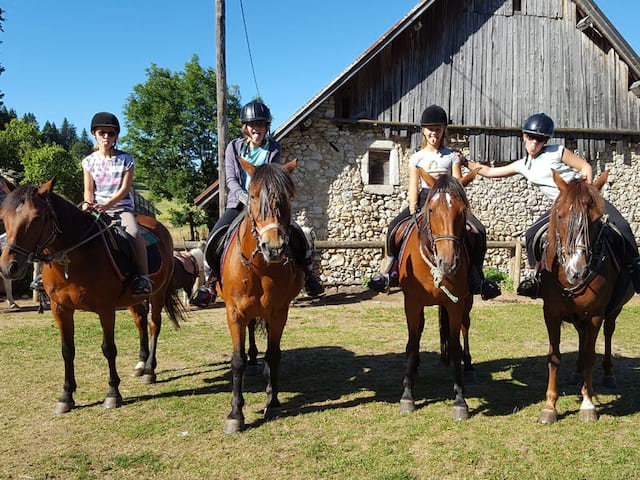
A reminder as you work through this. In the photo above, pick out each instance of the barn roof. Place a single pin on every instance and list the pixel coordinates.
(594, 18)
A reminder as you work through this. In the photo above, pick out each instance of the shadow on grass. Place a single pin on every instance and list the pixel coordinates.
(330, 377)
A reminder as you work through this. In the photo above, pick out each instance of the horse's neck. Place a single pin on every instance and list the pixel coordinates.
(75, 225)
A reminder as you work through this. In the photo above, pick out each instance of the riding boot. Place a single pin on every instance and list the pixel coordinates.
(634, 271)
(205, 294)
(312, 284)
(487, 289)
(530, 287)
(387, 278)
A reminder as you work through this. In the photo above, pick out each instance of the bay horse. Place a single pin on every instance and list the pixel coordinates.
(77, 274)
(582, 283)
(259, 279)
(433, 270)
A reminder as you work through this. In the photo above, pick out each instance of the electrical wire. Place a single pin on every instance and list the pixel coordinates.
(246, 35)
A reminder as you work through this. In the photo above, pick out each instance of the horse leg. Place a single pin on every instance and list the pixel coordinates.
(64, 321)
(578, 376)
(109, 350)
(149, 373)
(140, 312)
(587, 408)
(272, 365)
(460, 407)
(235, 420)
(549, 413)
(608, 378)
(415, 326)
(252, 366)
(469, 370)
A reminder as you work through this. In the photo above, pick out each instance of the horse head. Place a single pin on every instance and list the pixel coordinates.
(30, 226)
(574, 225)
(270, 191)
(444, 214)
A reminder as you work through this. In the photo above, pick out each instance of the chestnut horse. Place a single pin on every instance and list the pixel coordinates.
(77, 274)
(433, 270)
(582, 284)
(259, 279)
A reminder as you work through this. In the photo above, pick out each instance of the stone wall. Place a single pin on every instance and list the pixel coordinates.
(334, 201)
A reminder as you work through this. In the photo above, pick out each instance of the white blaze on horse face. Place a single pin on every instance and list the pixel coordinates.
(447, 198)
(576, 264)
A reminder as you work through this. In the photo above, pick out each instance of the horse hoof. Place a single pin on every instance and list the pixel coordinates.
(64, 407)
(272, 412)
(149, 378)
(460, 413)
(233, 425)
(138, 370)
(548, 416)
(112, 402)
(589, 415)
(407, 406)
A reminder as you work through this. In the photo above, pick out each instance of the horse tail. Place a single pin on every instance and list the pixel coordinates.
(444, 336)
(174, 307)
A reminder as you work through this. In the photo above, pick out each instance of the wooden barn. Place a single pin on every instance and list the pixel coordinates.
(490, 64)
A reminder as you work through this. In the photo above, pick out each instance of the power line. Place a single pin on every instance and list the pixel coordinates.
(246, 35)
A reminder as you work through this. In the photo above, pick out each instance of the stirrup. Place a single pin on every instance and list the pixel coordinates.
(489, 289)
(529, 287)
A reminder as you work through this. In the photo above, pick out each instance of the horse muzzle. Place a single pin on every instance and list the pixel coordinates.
(273, 243)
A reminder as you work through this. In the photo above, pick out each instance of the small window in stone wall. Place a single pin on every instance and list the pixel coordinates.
(380, 168)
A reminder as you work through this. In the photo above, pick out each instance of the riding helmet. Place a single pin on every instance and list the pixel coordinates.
(105, 119)
(255, 111)
(434, 115)
(539, 124)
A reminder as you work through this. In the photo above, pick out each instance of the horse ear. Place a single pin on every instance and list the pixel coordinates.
(601, 180)
(6, 185)
(562, 185)
(431, 181)
(47, 187)
(468, 178)
(246, 166)
(290, 166)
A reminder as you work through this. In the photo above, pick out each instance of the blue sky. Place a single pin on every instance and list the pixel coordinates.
(75, 57)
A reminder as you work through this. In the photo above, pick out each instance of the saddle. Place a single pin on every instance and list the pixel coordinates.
(188, 263)
(219, 240)
(121, 250)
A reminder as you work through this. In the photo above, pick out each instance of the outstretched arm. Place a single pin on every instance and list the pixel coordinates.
(492, 172)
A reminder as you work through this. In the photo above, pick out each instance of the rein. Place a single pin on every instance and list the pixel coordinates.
(577, 225)
(256, 233)
(428, 256)
(61, 257)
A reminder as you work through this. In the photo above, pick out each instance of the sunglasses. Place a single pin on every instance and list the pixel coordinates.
(537, 138)
(102, 133)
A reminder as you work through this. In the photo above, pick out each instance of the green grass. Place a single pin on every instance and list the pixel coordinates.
(340, 386)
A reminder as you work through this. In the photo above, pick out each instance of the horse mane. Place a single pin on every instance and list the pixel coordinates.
(276, 183)
(448, 184)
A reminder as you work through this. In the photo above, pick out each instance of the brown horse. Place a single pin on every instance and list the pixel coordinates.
(78, 274)
(433, 270)
(260, 279)
(582, 284)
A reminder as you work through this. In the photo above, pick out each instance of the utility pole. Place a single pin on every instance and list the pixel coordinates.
(221, 100)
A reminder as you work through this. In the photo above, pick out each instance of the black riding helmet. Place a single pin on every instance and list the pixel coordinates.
(539, 124)
(434, 115)
(104, 119)
(255, 111)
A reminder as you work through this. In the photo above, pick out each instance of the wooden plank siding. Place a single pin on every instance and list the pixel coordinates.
(489, 65)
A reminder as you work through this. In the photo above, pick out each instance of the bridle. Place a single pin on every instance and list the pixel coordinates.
(61, 257)
(429, 250)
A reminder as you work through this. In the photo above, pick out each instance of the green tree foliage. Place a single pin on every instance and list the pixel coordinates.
(49, 161)
(16, 140)
(172, 129)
